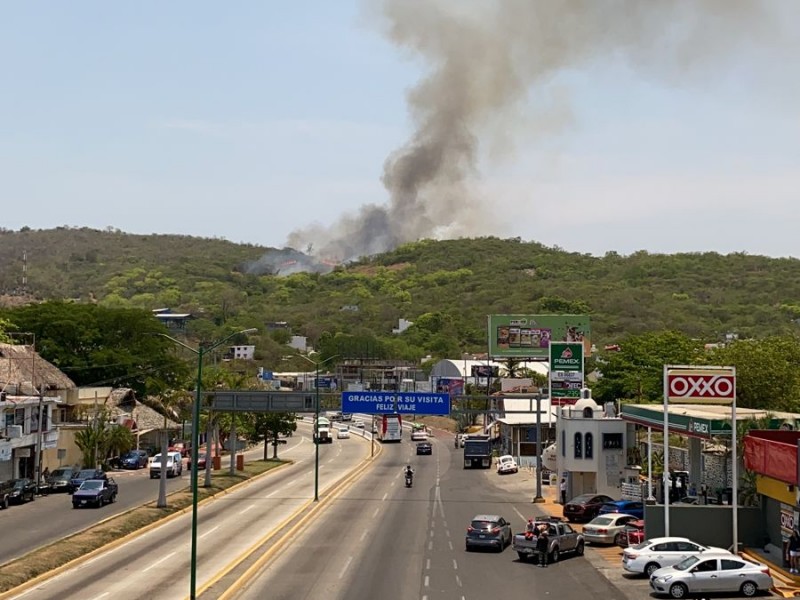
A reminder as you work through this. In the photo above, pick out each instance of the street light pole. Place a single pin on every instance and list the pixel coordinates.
(200, 352)
(538, 499)
(316, 437)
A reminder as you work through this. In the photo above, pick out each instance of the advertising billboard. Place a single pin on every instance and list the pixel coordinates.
(450, 385)
(529, 336)
(566, 369)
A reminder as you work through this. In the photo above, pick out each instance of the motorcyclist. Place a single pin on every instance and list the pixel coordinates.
(409, 472)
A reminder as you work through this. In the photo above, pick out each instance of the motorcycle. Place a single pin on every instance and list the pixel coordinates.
(409, 480)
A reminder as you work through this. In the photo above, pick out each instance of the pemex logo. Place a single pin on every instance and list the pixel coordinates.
(568, 359)
(566, 354)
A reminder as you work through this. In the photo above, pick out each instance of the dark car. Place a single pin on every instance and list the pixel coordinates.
(424, 448)
(59, 479)
(632, 534)
(84, 474)
(625, 507)
(585, 507)
(96, 492)
(135, 459)
(22, 490)
(491, 531)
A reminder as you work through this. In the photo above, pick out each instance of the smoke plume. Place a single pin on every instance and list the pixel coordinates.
(487, 60)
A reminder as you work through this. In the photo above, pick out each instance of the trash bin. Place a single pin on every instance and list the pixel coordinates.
(216, 463)
(240, 462)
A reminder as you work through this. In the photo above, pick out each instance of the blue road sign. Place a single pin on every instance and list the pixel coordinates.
(375, 403)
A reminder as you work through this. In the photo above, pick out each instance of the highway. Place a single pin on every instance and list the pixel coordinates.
(382, 540)
(155, 565)
(50, 518)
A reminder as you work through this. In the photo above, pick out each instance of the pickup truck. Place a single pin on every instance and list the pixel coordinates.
(563, 539)
(95, 492)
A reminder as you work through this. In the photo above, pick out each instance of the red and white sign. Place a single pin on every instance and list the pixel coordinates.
(701, 386)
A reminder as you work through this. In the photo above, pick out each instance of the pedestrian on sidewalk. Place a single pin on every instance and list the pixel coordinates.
(794, 552)
(563, 488)
(543, 546)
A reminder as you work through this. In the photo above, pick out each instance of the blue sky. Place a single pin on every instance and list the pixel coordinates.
(249, 122)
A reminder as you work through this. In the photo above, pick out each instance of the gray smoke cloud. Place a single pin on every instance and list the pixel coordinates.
(487, 59)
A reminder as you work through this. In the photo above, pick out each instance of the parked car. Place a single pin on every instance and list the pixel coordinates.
(59, 479)
(80, 476)
(711, 572)
(585, 507)
(562, 539)
(174, 465)
(507, 464)
(22, 490)
(631, 534)
(603, 529)
(5, 493)
(424, 448)
(95, 492)
(342, 433)
(135, 459)
(491, 531)
(651, 555)
(625, 507)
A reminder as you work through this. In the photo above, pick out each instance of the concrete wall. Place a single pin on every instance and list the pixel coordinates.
(709, 525)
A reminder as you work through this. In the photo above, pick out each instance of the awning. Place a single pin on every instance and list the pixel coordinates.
(14, 401)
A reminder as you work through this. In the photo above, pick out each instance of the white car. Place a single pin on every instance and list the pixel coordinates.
(419, 435)
(174, 465)
(359, 423)
(712, 572)
(604, 528)
(507, 464)
(342, 433)
(651, 555)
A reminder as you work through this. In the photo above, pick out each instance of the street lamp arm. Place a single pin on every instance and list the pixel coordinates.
(233, 335)
(180, 343)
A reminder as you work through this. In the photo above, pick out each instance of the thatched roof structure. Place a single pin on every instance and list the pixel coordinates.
(123, 405)
(23, 371)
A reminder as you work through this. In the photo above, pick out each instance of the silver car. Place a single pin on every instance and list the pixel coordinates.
(713, 572)
(604, 529)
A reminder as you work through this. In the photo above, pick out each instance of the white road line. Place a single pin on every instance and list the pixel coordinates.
(450, 544)
(431, 532)
(430, 545)
(364, 535)
(386, 495)
(428, 565)
(158, 562)
(458, 581)
(455, 564)
(392, 484)
(445, 524)
(212, 530)
(447, 532)
(521, 516)
(293, 481)
(347, 564)
(375, 514)
(244, 510)
(103, 595)
(271, 494)
(427, 581)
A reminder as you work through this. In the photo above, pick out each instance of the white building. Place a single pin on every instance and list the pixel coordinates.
(450, 368)
(299, 343)
(402, 325)
(241, 352)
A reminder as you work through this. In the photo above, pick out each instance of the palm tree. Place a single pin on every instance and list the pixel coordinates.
(169, 400)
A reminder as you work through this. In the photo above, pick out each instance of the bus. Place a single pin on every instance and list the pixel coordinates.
(390, 428)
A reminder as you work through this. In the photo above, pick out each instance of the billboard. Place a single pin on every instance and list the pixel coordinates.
(450, 385)
(700, 385)
(529, 336)
(566, 369)
(375, 403)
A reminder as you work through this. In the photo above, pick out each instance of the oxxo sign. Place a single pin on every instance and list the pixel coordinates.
(715, 385)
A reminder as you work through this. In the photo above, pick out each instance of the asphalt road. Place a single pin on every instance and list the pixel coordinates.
(382, 540)
(156, 564)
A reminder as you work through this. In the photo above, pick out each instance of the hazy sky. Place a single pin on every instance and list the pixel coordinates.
(250, 120)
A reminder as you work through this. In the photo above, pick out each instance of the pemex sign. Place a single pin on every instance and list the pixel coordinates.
(566, 369)
(695, 385)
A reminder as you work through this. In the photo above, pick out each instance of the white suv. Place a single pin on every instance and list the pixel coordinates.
(174, 465)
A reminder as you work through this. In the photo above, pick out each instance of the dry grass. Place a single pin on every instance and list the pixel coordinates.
(61, 552)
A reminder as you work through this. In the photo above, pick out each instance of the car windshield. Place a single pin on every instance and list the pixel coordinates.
(687, 563)
(603, 521)
(19, 483)
(582, 499)
(483, 524)
(61, 473)
(131, 455)
(91, 485)
(86, 474)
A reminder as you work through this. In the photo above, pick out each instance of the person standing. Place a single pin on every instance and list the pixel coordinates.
(563, 489)
(543, 546)
(794, 552)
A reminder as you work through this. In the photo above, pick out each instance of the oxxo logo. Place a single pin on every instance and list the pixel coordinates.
(787, 521)
(706, 386)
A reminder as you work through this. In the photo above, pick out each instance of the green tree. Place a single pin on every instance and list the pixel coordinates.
(102, 437)
(269, 426)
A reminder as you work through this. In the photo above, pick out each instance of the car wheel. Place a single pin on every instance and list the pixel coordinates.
(554, 555)
(113, 498)
(579, 549)
(677, 590)
(651, 568)
(100, 502)
(467, 547)
(618, 539)
(4, 504)
(748, 589)
(522, 557)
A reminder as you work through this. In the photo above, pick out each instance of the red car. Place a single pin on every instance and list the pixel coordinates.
(585, 507)
(632, 534)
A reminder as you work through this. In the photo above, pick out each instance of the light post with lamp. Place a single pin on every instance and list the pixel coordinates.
(317, 365)
(200, 351)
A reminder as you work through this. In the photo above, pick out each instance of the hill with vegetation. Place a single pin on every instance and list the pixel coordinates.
(447, 288)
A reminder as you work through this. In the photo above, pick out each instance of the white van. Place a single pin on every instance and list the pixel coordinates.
(174, 465)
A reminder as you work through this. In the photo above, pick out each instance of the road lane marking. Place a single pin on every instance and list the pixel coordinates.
(427, 581)
(430, 545)
(458, 582)
(431, 532)
(212, 530)
(375, 514)
(271, 494)
(455, 564)
(428, 565)
(244, 510)
(521, 516)
(386, 495)
(364, 535)
(347, 564)
(392, 484)
(450, 544)
(103, 595)
(158, 562)
(447, 532)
